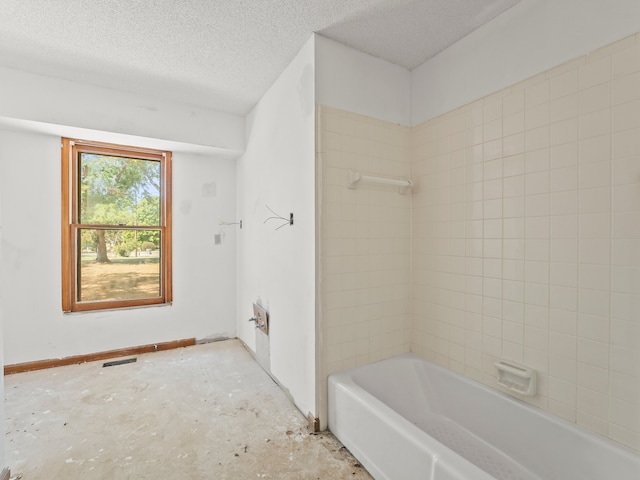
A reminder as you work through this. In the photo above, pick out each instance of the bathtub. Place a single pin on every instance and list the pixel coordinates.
(405, 418)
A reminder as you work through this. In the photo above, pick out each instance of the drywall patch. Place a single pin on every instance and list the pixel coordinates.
(185, 207)
(209, 189)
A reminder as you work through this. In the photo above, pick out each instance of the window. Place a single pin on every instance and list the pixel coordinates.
(116, 226)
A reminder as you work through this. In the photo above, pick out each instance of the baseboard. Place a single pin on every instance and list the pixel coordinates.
(92, 357)
(5, 474)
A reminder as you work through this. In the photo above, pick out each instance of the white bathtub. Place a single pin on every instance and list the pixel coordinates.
(405, 418)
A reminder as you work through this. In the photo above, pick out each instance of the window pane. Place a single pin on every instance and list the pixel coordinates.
(118, 190)
(118, 264)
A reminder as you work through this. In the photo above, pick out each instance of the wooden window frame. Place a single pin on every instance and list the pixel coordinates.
(71, 148)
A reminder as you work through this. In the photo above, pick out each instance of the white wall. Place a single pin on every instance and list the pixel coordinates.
(278, 267)
(27, 96)
(353, 81)
(2, 422)
(30, 279)
(531, 37)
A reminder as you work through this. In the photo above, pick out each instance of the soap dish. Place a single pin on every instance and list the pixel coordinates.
(516, 378)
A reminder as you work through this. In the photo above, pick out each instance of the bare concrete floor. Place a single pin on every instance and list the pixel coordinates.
(203, 412)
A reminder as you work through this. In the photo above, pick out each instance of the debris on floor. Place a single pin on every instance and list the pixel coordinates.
(207, 411)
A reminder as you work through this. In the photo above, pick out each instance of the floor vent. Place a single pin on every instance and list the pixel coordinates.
(119, 362)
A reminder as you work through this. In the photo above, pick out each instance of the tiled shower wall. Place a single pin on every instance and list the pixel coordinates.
(526, 238)
(364, 244)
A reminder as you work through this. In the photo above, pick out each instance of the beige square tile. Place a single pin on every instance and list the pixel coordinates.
(492, 306)
(538, 138)
(565, 131)
(537, 160)
(537, 359)
(594, 99)
(564, 226)
(492, 150)
(625, 116)
(593, 327)
(513, 103)
(594, 73)
(626, 198)
(492, 268)
(492, 248)
(537, 272)
(592, 377)
(513, 269)
(624, 414)
(563, 108)
(564, 298)
(593, 302)
(595, 149)
(625, 279)
(492, 169)
(537, 227)
(563, 84)
(513, 291)
(492, 130)
(513, 207)
(564, 155)
(562, 321)
(563, 274)
(625, 361)
(623, 145)
(594, 277)
(595, 251)
(536, 94)
(514, 123)
(513, 165)
(563, 345)
(595, 200)
(493, 208)
(564, 203)
(513, 228)
(513, 332)
(564, 250)
(625, 252)
(597, 174)
(595, 354)
(537, 182)
(537, 205)
(626, 61)
(626, 225)
(563, 368)
(536, 338)
(537, 250)
(625, 89)
(562, 179)
(492, 110)
(536, 294)
(595, 225)
(513, 144)
(537, 116)
(513, 311)
(595, 124)
(624, 388)
(596, 424)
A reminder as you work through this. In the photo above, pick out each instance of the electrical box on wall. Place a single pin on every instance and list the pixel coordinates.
(261, 317)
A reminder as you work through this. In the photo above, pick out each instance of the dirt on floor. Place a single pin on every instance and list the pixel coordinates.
(202, 412)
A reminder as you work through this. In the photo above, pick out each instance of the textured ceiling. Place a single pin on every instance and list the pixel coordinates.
(219, 54)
